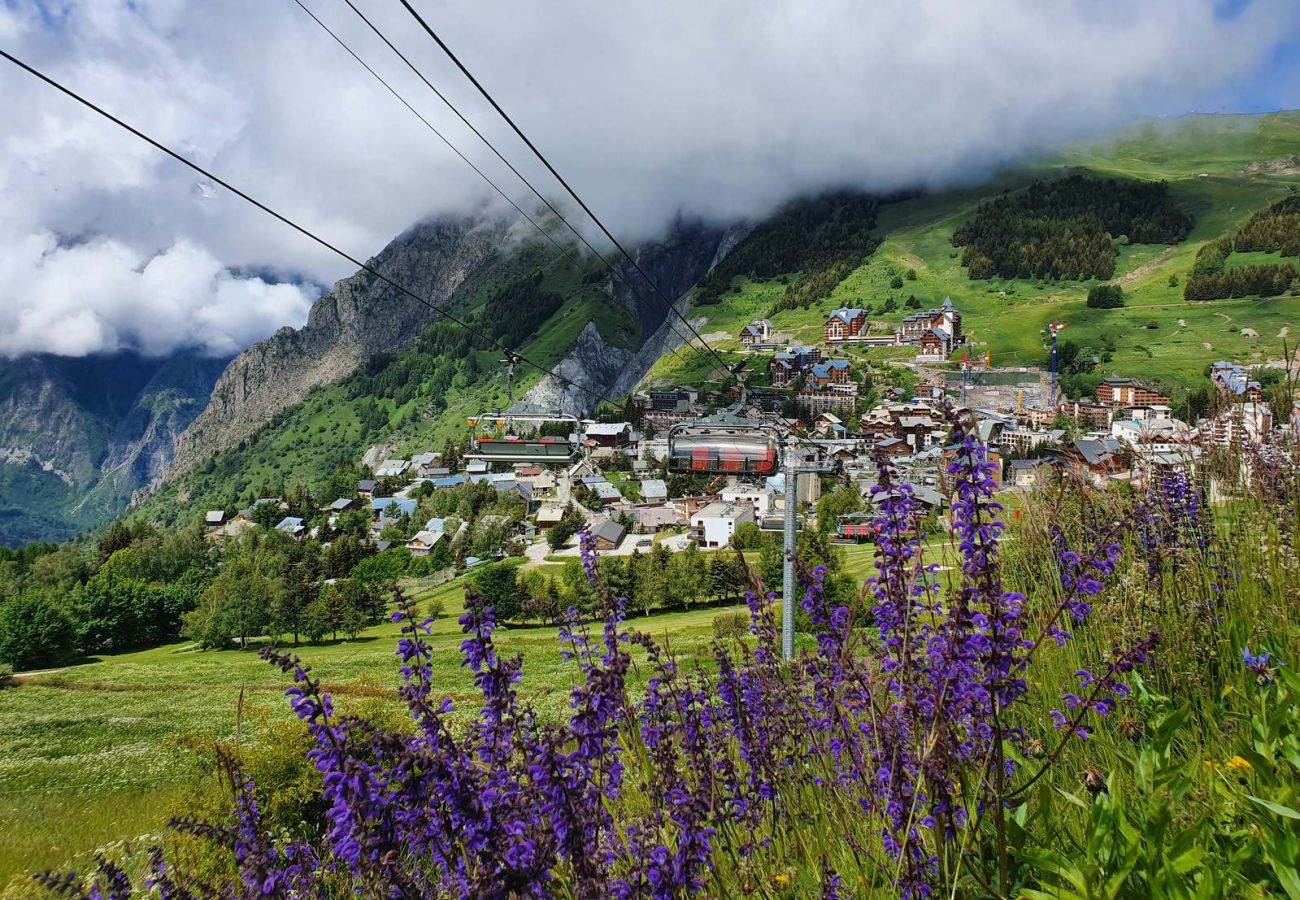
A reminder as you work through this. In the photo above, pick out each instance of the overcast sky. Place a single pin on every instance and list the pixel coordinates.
(718, 108)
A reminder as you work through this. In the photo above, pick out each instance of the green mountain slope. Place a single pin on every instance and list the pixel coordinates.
(1220, 170)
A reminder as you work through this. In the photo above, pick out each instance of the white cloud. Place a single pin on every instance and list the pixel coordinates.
(650, 107)
(104, 296)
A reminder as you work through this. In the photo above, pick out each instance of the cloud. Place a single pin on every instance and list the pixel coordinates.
(651, 108)
(102, 296)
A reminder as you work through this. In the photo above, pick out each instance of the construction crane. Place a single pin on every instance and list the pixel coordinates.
(1049, 338)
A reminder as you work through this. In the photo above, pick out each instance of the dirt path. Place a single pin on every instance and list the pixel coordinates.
(1147, 267)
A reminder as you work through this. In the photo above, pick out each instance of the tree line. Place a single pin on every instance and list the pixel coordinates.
(1066, 229)
(1212, 279)
(818, 237)
(1275, 229)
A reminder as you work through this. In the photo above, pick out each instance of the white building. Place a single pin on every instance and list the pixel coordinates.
(714, 525)
(761, 499)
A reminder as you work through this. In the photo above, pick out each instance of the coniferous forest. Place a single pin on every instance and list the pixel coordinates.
(1066, 229)
(824, 238)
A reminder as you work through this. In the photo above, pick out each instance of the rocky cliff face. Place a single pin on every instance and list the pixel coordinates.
(78, 436)
(675, 264)
(359, 317)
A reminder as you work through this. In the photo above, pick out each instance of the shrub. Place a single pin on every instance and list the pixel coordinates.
(730, 625)
(35, 632)
(1105, 296)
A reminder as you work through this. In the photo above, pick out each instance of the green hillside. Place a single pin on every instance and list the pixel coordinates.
(1218, 170)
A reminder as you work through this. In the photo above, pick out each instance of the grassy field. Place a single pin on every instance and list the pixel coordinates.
(1158, 336)
(101, 752)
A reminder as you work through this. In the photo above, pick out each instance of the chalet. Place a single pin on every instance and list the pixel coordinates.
(714, 525)
(214, 518)
(654, 490)
(845, 324)
(758, 331)
(233, 528)
(609, 434)
(342, 504)
(943, 318)
(650, 519)
(1234, 381)
(991, 455)
(1127, 392)
(292, 526)
(424, 542)
(392, 468)
(608, 534)
(366, 488)
(1027, 473)
(392, 507)
(832, 371)
(785, 366)
(607, 493)
(449, 481)
(1097, 459)
(829, 424)
(893, 447)
(934, 343)
(477, 467)
(549, 515)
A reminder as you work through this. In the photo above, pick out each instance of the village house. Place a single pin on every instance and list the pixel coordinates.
(761, 498)
(845, 324)
(714, 525)
(1097, 459)
(607, 493)
(424, 542)
(1027, 473)
(609, 434)
(366, 488)
(292, 526)
(654, 490)
(342, 504)
(1234, 381)
(650, 519)
(391, 507)
(392, 468)
(608, 535)
(758, 331)
(214, 518)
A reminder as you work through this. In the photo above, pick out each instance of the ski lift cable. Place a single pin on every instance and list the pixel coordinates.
(558, 177)
(614, 272)
(564, 252)
(158, 145)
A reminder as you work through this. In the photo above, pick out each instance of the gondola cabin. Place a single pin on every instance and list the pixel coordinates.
(723, 445)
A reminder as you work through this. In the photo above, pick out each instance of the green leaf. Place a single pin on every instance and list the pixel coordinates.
(1278, 808)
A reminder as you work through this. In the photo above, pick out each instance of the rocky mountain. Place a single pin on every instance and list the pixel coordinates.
(361, 316)
(603, 332)
(79, 436)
